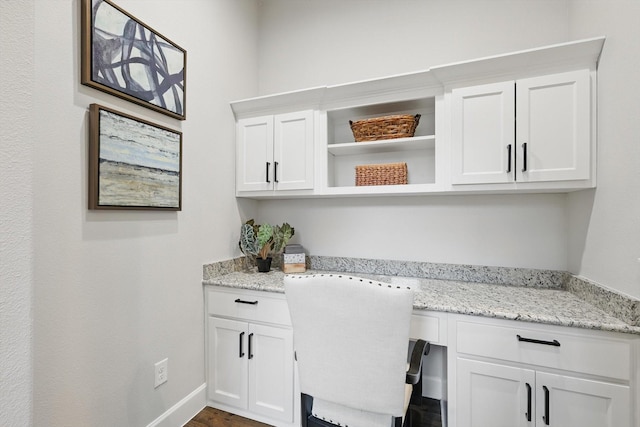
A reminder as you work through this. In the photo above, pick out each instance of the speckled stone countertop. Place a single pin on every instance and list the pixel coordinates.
(549, 304)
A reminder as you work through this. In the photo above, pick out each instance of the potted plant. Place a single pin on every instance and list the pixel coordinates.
(263, 241)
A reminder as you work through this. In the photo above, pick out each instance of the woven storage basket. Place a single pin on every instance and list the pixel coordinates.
(381, 174)
(386, 127)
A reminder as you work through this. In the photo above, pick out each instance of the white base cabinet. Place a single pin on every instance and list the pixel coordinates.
(498, 373)
(512, 375)
(250, 367)
(568, 401)
(496, 395)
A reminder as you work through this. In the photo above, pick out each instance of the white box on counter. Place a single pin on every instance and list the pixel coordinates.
(293, 263)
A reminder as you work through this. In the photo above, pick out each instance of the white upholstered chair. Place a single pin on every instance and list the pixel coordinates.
(351, 337)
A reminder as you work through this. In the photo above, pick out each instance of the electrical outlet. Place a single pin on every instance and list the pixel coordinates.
(162, 372)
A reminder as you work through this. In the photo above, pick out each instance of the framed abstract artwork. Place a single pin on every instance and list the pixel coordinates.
(127, 58)
(133, 164)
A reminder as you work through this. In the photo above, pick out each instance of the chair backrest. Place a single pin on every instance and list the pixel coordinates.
(351, 337)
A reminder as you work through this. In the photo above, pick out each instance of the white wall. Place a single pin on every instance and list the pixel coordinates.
(16, 198)
(318, 42)
(332, 41)
(521, 231)
(605, 245)
(115, 292)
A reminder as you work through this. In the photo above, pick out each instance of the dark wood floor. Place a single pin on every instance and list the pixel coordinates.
(425, 415)
(211, 417)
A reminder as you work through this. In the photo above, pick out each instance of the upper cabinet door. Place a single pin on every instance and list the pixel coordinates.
(293, 151)
(483, 133)
(254, 154)
(554, 127)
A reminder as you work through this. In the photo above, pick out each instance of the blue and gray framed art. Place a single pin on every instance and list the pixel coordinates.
(126, 58)
(133, 164)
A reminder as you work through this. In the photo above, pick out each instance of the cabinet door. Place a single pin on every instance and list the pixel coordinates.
(483, 133)
(254, 154)
(554, 127)
(227, 362)
(490, 394)
(572, 402)
(270, 355)
(293, 151)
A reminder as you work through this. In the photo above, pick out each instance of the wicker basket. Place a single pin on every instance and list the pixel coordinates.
(387, 127)
(381, 174)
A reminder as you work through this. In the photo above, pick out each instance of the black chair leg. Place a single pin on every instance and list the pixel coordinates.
(305, 409)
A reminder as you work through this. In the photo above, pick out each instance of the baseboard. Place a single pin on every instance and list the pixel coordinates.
(180, 413)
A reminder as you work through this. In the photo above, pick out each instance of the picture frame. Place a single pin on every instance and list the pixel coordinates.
(133, 163)
(125, 57)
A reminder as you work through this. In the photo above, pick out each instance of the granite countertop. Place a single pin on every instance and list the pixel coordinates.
(548, 305)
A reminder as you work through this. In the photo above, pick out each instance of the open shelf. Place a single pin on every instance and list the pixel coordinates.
(344, 154)
(420, 163)
(339, 130)
(385, 146)
(407, 189)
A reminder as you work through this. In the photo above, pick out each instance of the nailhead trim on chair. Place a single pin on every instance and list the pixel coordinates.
(330, 421)
(371, 282)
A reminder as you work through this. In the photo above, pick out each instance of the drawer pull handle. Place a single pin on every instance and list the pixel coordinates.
(250, 340)
(545, 417)
(528, 414)
(554, 343)
(240, 301)
(509, 158)
(240, 352)
(524, 157)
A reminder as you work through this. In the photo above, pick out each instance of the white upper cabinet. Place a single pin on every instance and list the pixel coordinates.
(553, 130)
(275, 152)
(483, 130)
(518, 122)
(529, 130)
(254, 151)
(293, 151)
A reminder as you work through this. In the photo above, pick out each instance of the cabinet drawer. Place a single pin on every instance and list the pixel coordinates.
(583, 351)
(428, 327)
(248, 305)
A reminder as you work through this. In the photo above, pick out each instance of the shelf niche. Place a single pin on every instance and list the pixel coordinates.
(344, 154)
